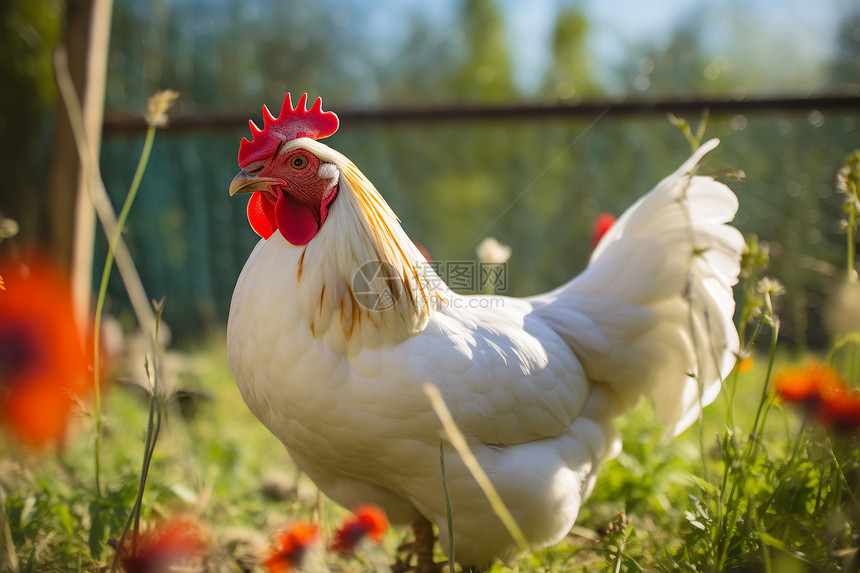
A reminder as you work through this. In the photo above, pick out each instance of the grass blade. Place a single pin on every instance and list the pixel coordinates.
(459, 442)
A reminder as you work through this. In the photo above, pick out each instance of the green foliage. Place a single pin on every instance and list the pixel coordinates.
(848, 183)
(485, 72)
(29, 29)
(569, 77)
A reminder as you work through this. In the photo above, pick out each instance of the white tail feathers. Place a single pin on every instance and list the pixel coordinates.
(652, 313)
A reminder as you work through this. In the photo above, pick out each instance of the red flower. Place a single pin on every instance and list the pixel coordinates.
(179, 541)
(600, 227)
(43, 366)
(801, 384)
(291, 546)
(369, 521)
(823, 393)
(840, 406)
(423, 250)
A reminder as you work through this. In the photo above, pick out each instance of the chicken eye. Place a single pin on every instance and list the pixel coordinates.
(299, 162)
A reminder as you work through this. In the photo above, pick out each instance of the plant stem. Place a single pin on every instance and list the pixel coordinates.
(761, 413)
(8, 556)
(765, 554)
(153, 428)
(849, 232)
(732, 502)
(619, 557)
(458, 440)
(745, 346)
(102, 295)
(733, 387)
(152, 432)
(449, 513)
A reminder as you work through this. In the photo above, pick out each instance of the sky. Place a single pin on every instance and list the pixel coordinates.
(805, 28)
(762, 46)
(800, 32)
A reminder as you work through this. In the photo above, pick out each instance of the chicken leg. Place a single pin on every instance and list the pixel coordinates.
(422, 549)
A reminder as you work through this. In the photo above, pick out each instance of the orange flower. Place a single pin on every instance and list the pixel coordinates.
(369, 521)
(823, 393)
(291, 546)
(179, 541)
(43, 367)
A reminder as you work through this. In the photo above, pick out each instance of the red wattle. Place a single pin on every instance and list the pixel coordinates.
(296, 221)
(261, 215)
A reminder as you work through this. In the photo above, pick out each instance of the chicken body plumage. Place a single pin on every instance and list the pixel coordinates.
(532, 383)
(362, 429)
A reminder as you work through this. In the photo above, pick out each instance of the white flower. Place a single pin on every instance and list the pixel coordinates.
(8, 228)
(490, 251)
(842, 314)
(157, 106)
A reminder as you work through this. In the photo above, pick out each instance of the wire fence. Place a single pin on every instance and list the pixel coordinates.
(118, 123)
(532, 175)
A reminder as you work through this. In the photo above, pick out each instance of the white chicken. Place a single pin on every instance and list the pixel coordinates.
(337, 324)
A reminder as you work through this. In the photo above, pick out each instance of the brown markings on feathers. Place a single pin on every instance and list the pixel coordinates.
(380, 219)
(392, 284)
(355, 317)
(301, 264)
(409, 294)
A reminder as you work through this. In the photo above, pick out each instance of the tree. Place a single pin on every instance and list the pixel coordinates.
(70, 212)
(846, 67)
(485, 73)
(29, 29)
(569, 75)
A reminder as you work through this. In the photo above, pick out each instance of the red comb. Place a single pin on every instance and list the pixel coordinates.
(291, 123)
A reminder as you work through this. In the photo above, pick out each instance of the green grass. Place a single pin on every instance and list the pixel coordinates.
(216, 462)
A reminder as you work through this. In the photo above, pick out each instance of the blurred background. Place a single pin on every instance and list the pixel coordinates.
(474, 118)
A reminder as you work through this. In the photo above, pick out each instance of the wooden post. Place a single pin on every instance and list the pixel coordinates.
(93, 104)
(70, 211)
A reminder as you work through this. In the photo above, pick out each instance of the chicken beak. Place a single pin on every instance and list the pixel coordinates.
(246, 183)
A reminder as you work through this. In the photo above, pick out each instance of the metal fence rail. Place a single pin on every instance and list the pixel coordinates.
(119, 123)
